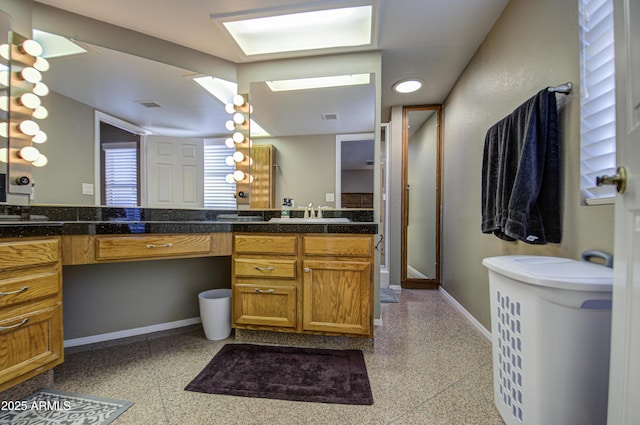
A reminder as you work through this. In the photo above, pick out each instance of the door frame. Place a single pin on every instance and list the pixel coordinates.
(407, 282)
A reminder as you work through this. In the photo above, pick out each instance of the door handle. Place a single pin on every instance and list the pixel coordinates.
(619, 180)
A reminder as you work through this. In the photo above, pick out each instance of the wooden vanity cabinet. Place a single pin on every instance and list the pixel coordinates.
(306, 283)
(265, 282)
(31, 339)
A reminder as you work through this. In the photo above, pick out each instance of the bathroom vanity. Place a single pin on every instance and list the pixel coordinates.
(298, 277)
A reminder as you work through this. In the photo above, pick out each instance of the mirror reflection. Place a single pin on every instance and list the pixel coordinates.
(163, 105)
(421, 198)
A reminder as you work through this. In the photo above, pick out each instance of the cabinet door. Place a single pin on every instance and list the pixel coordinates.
(336, 297)
(264, 305)
(28, 343)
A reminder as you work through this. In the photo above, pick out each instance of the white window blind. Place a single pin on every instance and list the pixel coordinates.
(597, 99)
(121, 174)
(218, 193)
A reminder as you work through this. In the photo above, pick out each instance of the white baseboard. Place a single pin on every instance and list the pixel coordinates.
(465, 313)
(396, 287)
(377, 322)
(384, 278)
(130, 332)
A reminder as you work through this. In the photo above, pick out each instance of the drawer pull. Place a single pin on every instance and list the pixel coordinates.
(17, 291)
(269, 269)
(166, 245)
(265, 291)
(17, 325)
(307, 270)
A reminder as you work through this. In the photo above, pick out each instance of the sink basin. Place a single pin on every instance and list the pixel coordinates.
(327, 220)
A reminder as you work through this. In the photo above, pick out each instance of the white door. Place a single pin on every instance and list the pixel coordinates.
(624, 382)
(175, 172)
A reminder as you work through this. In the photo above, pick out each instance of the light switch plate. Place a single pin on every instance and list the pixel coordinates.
(329, 197)
(87, 188)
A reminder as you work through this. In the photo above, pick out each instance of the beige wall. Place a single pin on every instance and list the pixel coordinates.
(534, 44)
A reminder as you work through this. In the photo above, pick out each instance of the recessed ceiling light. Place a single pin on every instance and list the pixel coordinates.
(319, 82)
(319, 29)
(408, 86)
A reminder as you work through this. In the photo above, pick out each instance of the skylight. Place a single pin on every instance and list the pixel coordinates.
(55, 46)
(319, 82)
(320, 29)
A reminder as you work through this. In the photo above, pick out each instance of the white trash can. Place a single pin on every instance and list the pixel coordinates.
(551, 324)
(215, 312)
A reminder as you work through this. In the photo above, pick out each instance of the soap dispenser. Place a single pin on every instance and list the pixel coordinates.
(286, 212)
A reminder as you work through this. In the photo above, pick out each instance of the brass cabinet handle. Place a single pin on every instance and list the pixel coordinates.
(17, 291)
(17, 325)
(166, 245)
(265, 291)
(264, 268)
(619, 179)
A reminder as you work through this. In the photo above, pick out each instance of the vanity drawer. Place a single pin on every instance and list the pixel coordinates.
(352, 246)
(29, 253)
(264, 267)
(264, 305)
(18, 288)
(265, 244)
(136, 247)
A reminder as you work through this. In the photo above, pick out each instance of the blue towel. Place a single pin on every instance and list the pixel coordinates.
(521, 174)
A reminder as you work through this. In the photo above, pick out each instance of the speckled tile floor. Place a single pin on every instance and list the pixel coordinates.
(429, 366)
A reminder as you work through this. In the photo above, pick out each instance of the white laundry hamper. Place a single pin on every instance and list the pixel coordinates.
(551, 325)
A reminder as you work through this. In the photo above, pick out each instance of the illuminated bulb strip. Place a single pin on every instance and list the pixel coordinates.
(230, 108)
(238, 156)
(41, 64)
(40, 161)
(41, 89)
(40, 113)
(28, 127)
(230, 125)
(228, 142)
(229, 161)
(40, 137)
(238, 137)
(238, 100)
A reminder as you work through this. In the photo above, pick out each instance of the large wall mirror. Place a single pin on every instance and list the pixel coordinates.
(421, 181)
(163, 100)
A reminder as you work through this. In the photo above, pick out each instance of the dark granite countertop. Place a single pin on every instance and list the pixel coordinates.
(113, 221)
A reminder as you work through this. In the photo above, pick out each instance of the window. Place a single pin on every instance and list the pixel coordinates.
(120, 174)
(597, 99)
(218, 193)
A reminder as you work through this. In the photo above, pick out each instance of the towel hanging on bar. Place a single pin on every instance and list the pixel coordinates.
(521, 174)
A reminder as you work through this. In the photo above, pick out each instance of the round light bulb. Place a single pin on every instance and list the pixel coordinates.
(238, 118)
(29, 153)
(229, 143)
(5, 51)
(28, 127)
(4, 103)
(41, 89)
(238, 137)
(29, 100)
(250, 178)
(4, 129)
(229, 178)
(4, 78)
(40, 137)
(238, 175)
(40, 113)
(41, 64)
(31, 47)
(230, 125)
(238, 100)
(31, 75)
(4, 155)
(230, 108)
(40, 161)
(238, 156)
(229, 161)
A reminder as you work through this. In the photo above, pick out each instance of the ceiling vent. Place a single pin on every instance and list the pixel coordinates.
(149, 104)
(330, 117)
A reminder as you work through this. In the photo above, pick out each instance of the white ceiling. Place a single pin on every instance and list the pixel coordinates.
(429, 39)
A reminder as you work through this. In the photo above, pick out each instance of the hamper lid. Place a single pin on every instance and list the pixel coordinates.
(553, 272)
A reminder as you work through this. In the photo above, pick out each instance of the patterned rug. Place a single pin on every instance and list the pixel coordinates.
(52, 407)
